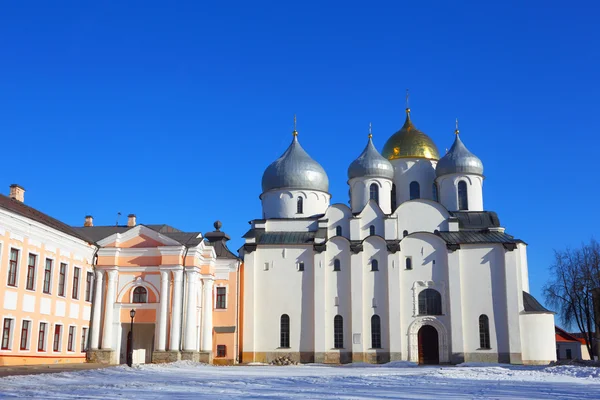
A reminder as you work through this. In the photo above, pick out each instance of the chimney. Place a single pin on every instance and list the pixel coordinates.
(89, 221)
(17, 192)
(131, 220)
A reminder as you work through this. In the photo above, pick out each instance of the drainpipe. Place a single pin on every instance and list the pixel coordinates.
(94, 305)
(237, 315)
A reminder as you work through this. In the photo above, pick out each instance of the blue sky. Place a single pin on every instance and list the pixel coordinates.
(172, 110)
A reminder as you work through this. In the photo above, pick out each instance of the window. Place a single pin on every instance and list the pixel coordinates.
(394, 204)
(25, 335)
(284, 336)
(337, 265)
(221, 298)
(569, 354)
(57, 337)
(338, 332)
(71, 338)
(84, 339)
(221, 350)
(30, 284)
(415, 190)
(374, 192)
(408, 263)
(301, 266)
(47, 276)
(435, 192)
(76, 272)
(484, 332)
(12, 267)
(6, 332)
(374, 265)
(463, 201)
(88, 286)
(375, 332)
(140, 295)
(338, 230)
(405, 233)
(430, 302)
(372, 230)
(42, 336)
(299, 206)
(62, 276)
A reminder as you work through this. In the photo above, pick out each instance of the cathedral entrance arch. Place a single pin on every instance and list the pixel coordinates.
(429, 351)
(420, 341)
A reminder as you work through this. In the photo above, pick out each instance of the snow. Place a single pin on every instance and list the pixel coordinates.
(397, 380)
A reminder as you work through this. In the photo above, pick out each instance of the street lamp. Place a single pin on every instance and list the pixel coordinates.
(130, 340)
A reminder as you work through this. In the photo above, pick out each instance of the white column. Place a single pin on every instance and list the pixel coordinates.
(207, 313)
(111, 288)
(164, 311)
(190, 313)
(97, 310)
(176, 311)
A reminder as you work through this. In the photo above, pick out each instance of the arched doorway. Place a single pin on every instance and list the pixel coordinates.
(429, 352)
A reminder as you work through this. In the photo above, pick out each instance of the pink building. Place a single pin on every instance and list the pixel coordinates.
(46, 288)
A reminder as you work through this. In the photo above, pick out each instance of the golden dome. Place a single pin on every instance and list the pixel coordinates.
(409, 142)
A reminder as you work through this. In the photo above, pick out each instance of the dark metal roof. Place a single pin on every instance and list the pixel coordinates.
(163, 228)
(97, 233)
(188, 239)
(29, 212)
(218, 240)
(468, 237)
(530, 304)
(476, 220)
(285, 238)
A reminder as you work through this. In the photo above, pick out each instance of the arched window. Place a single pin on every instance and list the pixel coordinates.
(284, 336)
(375, 332)
(463, 200)
(415, 190)
(338, 230)
(374, 265)
(140, 295)
(338, 332)
(394, 197)
(374, 192)
(299, 206)
(337, 265)
(484, 332)
(430, 302)
(408, 263)
(372, 230)
(435, 192)
(405, 233)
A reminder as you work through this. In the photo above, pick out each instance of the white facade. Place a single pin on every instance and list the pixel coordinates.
(445, 286)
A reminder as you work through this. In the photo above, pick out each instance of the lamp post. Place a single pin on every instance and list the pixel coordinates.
(130, 340)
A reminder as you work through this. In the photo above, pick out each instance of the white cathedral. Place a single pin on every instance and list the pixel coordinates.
(414, 269)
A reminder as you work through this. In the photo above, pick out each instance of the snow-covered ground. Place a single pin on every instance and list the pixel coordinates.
(363, 381)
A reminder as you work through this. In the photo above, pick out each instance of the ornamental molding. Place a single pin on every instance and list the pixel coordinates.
(413, 338)
(419, 286)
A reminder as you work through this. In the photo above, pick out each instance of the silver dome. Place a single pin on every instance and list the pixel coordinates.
(371, 163)
(459, 160)
(295, 170)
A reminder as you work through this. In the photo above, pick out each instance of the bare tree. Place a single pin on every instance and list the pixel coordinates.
(575, 277)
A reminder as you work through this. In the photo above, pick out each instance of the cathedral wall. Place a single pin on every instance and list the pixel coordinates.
(484, 292)
(360, 227)
(284, 203)
(524, 269)
(538, 338)
(338, 215)
(360, 192)
(407, 170)
(448, 191)
(282, 289)
(421, 216)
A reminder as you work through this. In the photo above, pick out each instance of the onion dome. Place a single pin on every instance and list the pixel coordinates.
(409, 142)
(459, 160)
(371, 163)
(295, 169)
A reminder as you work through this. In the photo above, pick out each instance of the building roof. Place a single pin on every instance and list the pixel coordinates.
(371, 164)
(29, 212)
(218, 240)
(409, 142)
(459, 160)
(285, 237)
(476, 220)
(564, 336)
(531, 305)
(472, 237)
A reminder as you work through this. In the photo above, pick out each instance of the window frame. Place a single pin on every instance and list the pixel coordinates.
(57, 341)
(47, 282)
(394, 202)
(337, 265)
(299, 205)
(139, 295)
(462, 198)
(408, 264)
(338, 332)
(484, 333)
(25, 335)
(414, 190)
(42, 336)
(84, 336)
(376, 332)
(13, 267)
(62, 275)
(372, 231)
(435, 192)
(7, 333)
(284, 331)
(221, 298)
(75, 289)
(30, 275)
(430, 302)
(221, 351)
(71, 338)
(374, 265)
(374, 192)
(300, 266)
(338, 230)
(89, 282)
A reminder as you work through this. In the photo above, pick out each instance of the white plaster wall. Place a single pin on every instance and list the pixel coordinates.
(421, 216)
(337, 284)
(283, 203)
(407, 170)
(360, 226)
(282, 289)
(524, 269)
(375, 299)
(338, 214)
(297, 225)
(448, 191)
(360, 193)
(538, 338)
(483, 283)
(575, 348)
